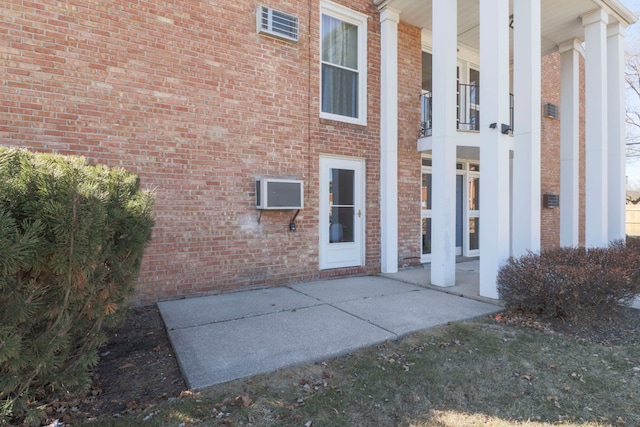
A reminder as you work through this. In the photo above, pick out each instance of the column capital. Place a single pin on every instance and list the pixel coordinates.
(573, 44)
(390, 14)
(598, 15)
(615, 28)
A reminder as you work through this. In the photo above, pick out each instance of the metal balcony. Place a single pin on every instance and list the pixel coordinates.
(467, 113)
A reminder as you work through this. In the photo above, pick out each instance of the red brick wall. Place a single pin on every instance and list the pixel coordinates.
(550, 164)
(187, 95)
(409, 159)
(550, 171)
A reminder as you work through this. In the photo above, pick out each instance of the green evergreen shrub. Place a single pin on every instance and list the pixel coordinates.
(72, 237)
(571, 283)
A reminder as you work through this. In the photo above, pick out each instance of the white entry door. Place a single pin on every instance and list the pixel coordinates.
(341, 213)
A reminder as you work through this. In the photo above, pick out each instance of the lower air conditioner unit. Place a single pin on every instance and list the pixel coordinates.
(279, 193)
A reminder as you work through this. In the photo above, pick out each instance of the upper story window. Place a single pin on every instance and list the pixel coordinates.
(343, 79)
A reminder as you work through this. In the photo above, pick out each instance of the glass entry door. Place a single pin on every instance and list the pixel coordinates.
(463, 212)
(341, 213)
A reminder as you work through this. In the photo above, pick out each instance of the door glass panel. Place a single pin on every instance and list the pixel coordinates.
(341, 206)
(474, 233)
(474, 194)
(426, 236)
(426, 191)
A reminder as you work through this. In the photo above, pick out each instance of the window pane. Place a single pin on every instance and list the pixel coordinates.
(427, 73)
(474, 233)
(474, 82)
(474, 194)
(341, 187)
(426, 236)
(339, 91)
(426, 191)
(339, 42)
(341, 226)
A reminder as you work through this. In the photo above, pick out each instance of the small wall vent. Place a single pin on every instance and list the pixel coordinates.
(550, 110)
(276, 24)
(550, 201)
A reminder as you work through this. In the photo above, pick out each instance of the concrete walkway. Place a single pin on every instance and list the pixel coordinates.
(225, 337)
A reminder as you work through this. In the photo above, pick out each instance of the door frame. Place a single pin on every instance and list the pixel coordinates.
(463, 170)
(357, 248)
(427, 213)
(469, 214)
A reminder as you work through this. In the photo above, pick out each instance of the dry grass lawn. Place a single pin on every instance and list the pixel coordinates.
(477, 373)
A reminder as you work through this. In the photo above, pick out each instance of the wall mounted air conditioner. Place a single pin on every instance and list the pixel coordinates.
(279, 194)
(277, 24)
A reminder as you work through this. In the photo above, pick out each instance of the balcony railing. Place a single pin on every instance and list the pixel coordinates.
(468, 111)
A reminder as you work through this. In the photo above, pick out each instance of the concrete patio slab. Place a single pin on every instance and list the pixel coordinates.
(219, 308)
(409, 312)
(225, 337)
(213, 354)
(352, 288)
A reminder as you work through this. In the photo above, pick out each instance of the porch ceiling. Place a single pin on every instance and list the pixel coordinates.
(561, 20)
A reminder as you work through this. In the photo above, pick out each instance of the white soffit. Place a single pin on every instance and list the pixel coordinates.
(561, 20)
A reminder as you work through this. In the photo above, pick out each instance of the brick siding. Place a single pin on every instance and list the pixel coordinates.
(550, 159)
(187, 95)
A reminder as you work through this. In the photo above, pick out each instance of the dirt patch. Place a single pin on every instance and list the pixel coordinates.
(137, 368)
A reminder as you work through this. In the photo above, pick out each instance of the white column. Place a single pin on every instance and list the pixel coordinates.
(596, 233)
(494, 146)
(570, 143)
(527, 128)
(389, 19)
(443, 222)
(616, 134)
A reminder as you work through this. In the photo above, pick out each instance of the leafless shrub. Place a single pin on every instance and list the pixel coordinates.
(572, 283)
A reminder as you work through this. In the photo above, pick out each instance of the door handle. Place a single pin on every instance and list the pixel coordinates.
(359, 213)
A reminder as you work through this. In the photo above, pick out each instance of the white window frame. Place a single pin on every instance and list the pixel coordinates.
(359, 20)
(425, 213)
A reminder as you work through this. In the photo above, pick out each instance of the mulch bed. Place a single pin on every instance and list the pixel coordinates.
(137, 368)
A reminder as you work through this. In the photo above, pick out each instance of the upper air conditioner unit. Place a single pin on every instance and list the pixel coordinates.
(279, 194)
(277, 24)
